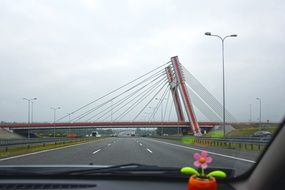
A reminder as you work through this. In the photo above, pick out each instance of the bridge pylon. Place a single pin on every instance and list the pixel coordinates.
(179, 81)
(175, 94)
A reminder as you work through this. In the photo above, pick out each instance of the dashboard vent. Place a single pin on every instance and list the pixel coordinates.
(45, 186)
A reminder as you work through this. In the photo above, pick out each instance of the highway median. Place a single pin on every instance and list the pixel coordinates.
(25, 148)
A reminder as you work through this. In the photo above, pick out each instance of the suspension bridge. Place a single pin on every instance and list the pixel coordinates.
(167, 96)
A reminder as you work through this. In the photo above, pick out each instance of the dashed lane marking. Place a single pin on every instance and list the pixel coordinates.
(96, 151)
(149, 150)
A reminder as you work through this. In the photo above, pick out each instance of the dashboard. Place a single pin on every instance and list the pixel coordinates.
(98, 184)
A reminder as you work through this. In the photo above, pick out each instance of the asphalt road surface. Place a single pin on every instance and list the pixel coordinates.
(123, 150)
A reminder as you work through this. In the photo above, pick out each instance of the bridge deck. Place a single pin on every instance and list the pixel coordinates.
(108, 124)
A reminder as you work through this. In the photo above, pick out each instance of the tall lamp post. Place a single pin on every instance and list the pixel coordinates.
(54, 118)
(250, 114)
(32, 110)
(223, 62)
(259, 99)
(160, 100)
(69, 121)
(111, 110)
(146, 114)
(29, 112)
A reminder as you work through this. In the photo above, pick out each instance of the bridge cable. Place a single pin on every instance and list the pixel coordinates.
(203, 107)
(166, 105)
(203, 99)
(160, 101)
(104, 103)
(210, 100)
(113, 91)
(150, 100)
(143, 97)
(126, 98)
(170, 111)
(155, 95)
(136, 103)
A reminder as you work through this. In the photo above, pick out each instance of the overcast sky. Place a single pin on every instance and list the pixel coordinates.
(67, 53)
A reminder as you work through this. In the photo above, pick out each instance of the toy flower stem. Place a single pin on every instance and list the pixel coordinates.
(202, 172)
(201, 161)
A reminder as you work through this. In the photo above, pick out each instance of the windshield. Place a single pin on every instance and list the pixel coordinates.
(162, 84)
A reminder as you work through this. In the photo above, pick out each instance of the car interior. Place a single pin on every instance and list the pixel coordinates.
(94, 97)
(267, 174)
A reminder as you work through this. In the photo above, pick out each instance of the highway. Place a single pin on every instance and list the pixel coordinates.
(125, 150)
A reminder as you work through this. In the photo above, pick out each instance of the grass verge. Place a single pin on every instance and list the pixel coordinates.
(249, 131)
(213, 143)
(24, 149)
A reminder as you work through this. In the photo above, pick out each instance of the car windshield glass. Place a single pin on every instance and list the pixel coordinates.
(152, 85)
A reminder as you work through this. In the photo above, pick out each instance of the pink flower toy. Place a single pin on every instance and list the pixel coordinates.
(202, 160)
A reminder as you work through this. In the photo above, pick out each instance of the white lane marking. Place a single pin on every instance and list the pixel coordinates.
(214, 153)
(109, 144)
(43, 151)
(149, 150)
(140, 144)
(96, 151)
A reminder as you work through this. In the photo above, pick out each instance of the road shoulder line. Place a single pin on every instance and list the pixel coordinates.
(196, 149)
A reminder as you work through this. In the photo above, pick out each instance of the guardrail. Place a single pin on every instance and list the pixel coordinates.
(260, 140)
(6, 144)
(10, 142)
(243, 143)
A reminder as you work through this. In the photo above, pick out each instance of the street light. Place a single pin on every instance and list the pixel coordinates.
(250, 114)
(69, 121)
(69, 114)
(32, 110)
(223, 61)
(259, 112)
(152, 115)
(29, 102)
(54, 118)
(147, 115)
(111, 110)
(161, 100)
(29, 112)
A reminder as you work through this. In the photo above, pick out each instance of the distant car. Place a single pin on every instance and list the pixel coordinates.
(262, 134)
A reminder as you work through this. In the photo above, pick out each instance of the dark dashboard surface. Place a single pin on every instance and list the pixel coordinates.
(98, 184)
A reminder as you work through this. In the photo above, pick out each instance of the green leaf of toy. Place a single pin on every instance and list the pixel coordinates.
(217, 174)
(189, 171)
